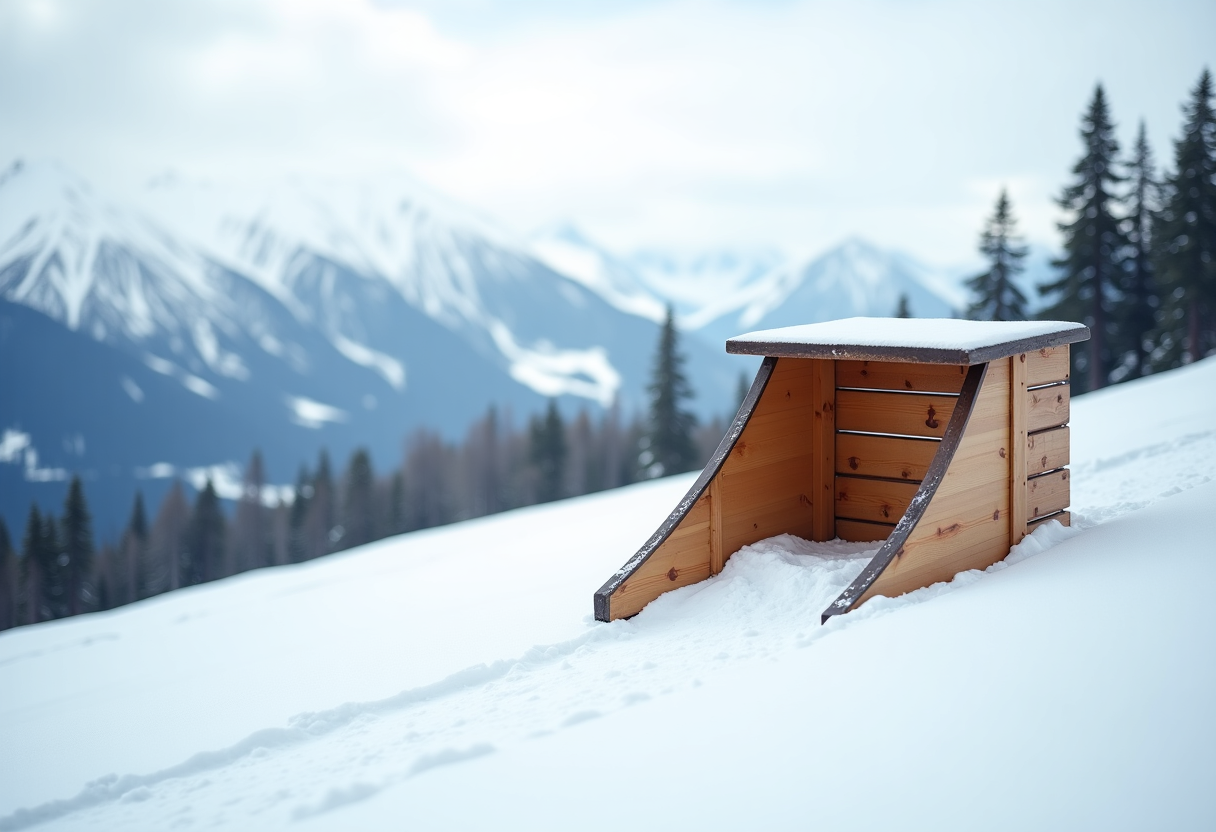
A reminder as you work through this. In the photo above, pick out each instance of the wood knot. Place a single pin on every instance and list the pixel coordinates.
(1059, 398)
(854, 462)
(1002, 453)
(865, 372)
(907, 384)
(932, 421)
(805, 500)
(1064, 474)
(949, 530)
(996, 515)
(755, 525)
(886, 511)
(673, 573)
(906, 474)
(1043, 461)
(1022, 358)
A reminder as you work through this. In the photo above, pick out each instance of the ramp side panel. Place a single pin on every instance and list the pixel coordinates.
(766, 480)
(683, 558)
(966, 524)
(952, 439)
(684, 550)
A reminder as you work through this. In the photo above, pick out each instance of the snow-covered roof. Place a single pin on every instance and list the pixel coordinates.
(921, 340)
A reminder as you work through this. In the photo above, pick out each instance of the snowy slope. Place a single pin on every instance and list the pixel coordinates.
(455, 679)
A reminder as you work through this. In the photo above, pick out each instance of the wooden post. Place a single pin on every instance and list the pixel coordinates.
(823, 441)
(1018, 417)
(717, 558)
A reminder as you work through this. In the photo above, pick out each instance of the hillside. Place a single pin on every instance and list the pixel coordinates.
(454, 678)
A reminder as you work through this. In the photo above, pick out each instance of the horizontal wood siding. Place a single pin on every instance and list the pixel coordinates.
(884, 456)
(908, 414)
(893, 375)
(1047, 451)
(859, 532)
(1047, 365)
(1064, 517)
(1047, 494)
(1047, 407)
(966, 524)
(879, 501)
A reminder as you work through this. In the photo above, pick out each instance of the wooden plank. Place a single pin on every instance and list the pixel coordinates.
(823, 449)
(960, 516)
(1047, 493)
(884, 456)
(894, 375)
(636, 565)
(1047, 406)
(1047, 365)
(1018, 417)
(961, 529)
(1047, 451)
(859, 532)
(908, 414)
(717, 558)
(1064, 517)
(680, 561)
(879, 501)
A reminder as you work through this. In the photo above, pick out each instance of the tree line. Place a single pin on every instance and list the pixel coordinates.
(1139, 250)
(57, 569)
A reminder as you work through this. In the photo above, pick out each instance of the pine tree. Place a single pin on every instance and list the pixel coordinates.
(250, 526)
(547, 451)
(669, 443)
(34, 563)
(1136, 311)
(134, 555)
(902, 309)
(167, 543)
(358, 510)
(205, 539)
(1094, 246)
(77, 546)
(1186, 234)
(996, 297)
(8, 580)
(321, 532)
(297, 534)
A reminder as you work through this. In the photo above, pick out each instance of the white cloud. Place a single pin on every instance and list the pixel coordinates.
(672, 123)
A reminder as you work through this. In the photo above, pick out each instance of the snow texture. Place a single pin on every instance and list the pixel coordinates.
(913, 333)
(454, 678)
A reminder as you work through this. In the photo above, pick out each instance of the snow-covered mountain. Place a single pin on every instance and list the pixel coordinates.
(719, 294)
(855, 278)
(201, 322)
(455, 679)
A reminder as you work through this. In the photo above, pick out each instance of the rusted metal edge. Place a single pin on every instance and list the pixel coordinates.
(920, 501)
(603, 597)
(923, 355)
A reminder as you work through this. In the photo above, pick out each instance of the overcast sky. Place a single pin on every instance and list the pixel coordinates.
(683, 125)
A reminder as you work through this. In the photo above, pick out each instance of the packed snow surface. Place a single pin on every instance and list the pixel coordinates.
(914, 333)
(455, 679)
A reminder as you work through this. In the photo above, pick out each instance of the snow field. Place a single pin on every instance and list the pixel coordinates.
(1063, 691)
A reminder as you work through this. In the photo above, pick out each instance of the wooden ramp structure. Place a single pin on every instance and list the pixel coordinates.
(945, 440)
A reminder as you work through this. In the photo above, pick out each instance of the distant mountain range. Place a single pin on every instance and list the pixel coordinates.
(173, 334)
